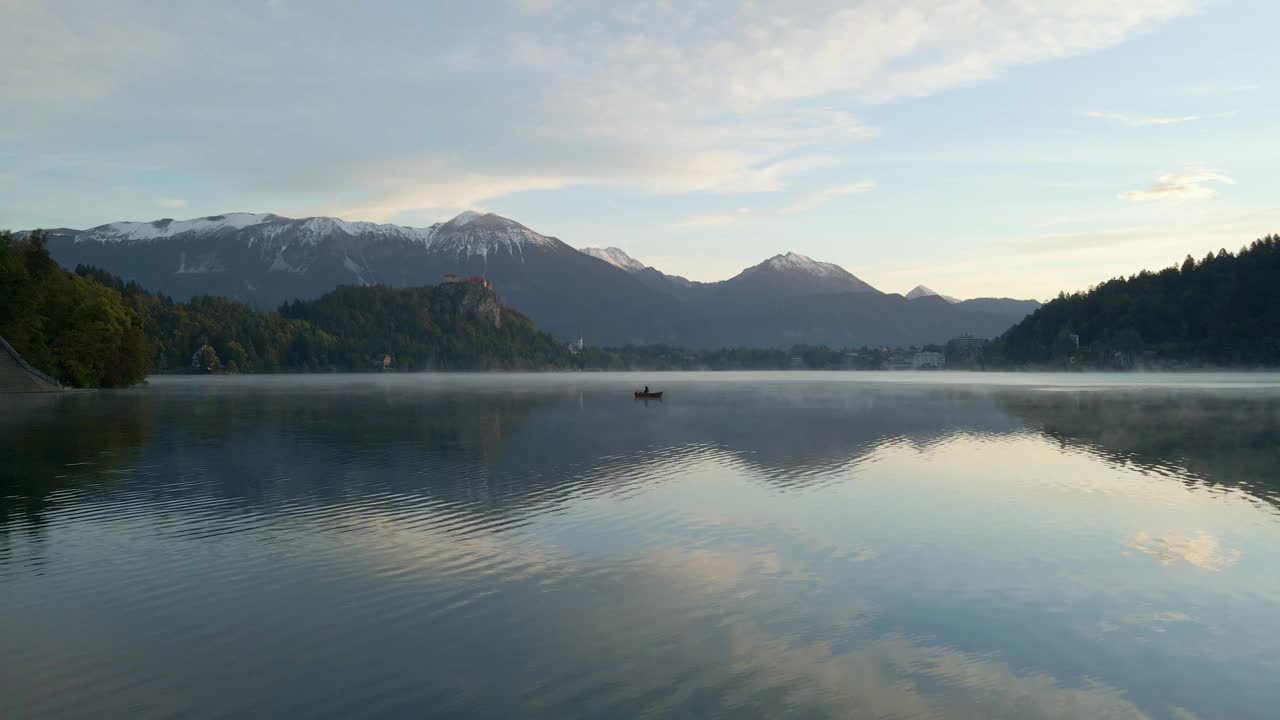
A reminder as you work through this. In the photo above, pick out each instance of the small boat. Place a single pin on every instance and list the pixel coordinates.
(648, 395)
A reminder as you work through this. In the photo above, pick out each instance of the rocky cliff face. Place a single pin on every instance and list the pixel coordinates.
(477, 300)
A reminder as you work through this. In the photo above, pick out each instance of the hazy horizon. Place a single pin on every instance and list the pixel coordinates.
(983, 149)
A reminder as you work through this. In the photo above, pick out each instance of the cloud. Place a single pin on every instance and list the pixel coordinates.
(1135, 120)
(283, 9)
(458, 192)
(1215, 88)
(1186, 185)
(534, 7)
(709, 97)
(1200, 550)
(808, 202)
(821, 197)
(169, 203)
(709, 220)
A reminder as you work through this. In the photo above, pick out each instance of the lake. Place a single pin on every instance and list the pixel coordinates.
(808, 545)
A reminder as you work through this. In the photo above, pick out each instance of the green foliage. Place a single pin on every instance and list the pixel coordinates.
(666, 357)
(448, 327)
(73, 328)
(208, 359)
(455, 326)
(1222, 310)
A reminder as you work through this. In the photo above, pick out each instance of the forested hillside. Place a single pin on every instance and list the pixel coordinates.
(1223, 310)
(457, 326)
(451, 326)
(72, 328)
(91, 329)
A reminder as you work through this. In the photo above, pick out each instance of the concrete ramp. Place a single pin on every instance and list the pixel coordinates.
(16, 376)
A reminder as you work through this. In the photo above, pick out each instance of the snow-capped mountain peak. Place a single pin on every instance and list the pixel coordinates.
(470, 233)
(168, 227)
(616, 257)
(795, 262)
(920, 291)
(799, 274)
(465, 217)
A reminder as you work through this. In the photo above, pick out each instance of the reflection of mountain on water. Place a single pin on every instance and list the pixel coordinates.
(481, 449)
(1229, 439)
(515, 448)
(783, 434)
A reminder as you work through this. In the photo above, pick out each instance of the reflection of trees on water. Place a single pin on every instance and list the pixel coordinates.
(58, 442)
(518, 450)
(1224, 438)
(785, 435)
(514, 449)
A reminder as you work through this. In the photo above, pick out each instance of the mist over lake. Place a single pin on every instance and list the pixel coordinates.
(755, 545)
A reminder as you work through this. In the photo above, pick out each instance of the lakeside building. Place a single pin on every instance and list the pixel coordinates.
(928, 361)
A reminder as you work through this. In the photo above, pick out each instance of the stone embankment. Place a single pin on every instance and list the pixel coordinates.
(17, 376)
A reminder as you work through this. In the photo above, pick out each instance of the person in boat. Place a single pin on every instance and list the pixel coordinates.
(646, 389)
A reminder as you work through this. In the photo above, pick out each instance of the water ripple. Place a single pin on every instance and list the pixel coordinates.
(815, 548)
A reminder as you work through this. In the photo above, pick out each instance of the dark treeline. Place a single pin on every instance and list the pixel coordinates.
(1221, 311)
(76, 330)
(799, 357)
(457, 326)
(454, 326)
(91, 329)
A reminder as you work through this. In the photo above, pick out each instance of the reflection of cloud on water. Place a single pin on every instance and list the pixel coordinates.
(850, 673)
(762, 655)
(713, 571)
(1158, 622)
(1200, 550)
(801, 650)
(899, 677)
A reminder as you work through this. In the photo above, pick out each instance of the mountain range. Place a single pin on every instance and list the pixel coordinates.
(920, 291)
(603, 295)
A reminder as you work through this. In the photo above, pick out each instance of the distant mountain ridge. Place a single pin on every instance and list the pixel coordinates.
(617, 258)
(602, 294)
(920, 291)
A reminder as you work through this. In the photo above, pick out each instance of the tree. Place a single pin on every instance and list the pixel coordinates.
(75, 329)
(1223, 310)
(209, 359)
(235, 355)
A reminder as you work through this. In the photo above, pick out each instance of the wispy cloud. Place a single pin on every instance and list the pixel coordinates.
(708, 97)
(812, 201)
(169, 203)
(534, 7)
(1215, 88)
(464, 191)
(1135, 120)
(713, 219)
(708, 220)
(821, 197)
(1189, 184)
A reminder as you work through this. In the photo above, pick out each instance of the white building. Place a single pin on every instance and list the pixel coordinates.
(928, 361)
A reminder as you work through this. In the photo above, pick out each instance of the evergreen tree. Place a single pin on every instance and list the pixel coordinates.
(1222, 310)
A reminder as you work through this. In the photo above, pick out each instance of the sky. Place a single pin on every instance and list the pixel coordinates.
(980, 147)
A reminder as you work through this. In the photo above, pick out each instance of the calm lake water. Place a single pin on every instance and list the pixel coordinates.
(842, 545)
